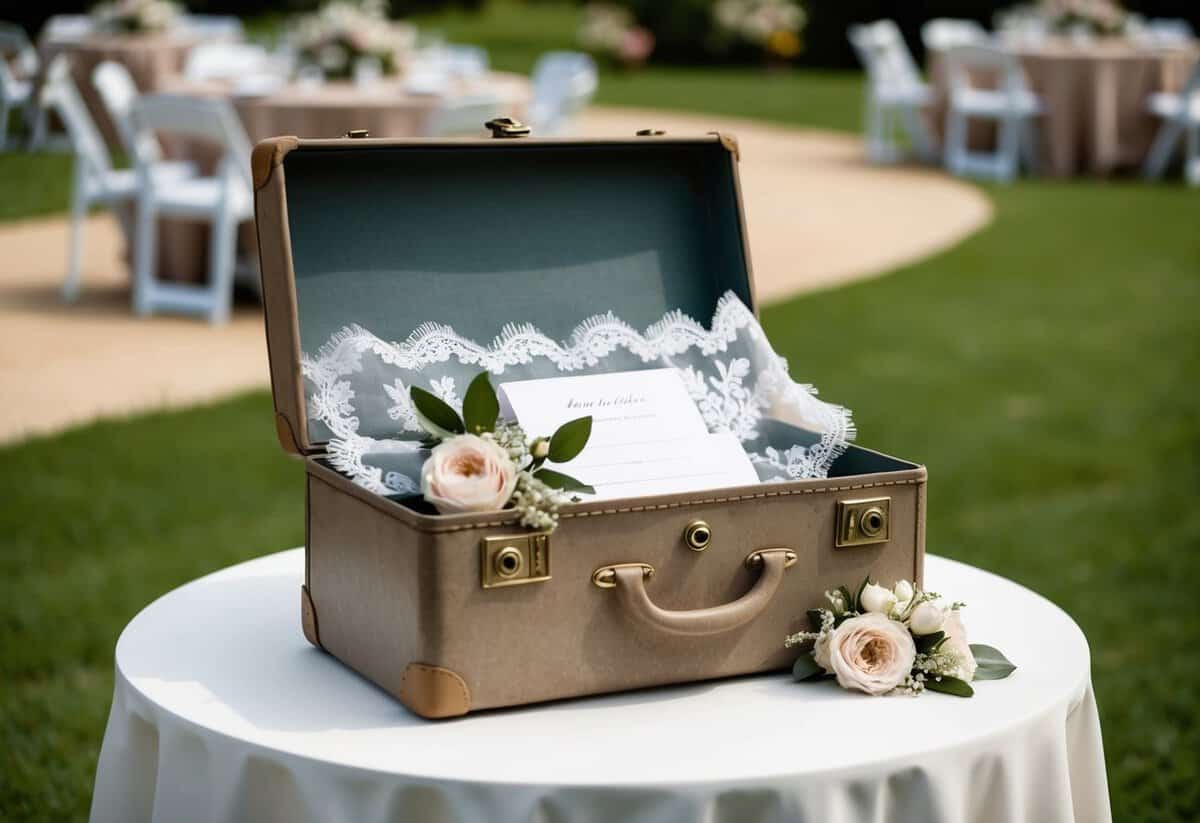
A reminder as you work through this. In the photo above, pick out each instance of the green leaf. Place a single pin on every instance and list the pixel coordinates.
(814, 619)
(570, 439)
(949, 685)
(992, 665)
(480, 406)
(856, 603)
(846, 598)
(805, 668)
(435, 415)
(927, 642)
(558, 480)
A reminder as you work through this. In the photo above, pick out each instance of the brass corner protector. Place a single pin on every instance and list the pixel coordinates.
(730, 143)
(308, 618)
(267, 155)
(433, 692)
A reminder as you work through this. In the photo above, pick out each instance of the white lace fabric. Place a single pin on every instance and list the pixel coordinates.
(357, 387)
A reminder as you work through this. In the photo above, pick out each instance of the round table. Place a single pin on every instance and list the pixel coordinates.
(150, 59)
(384, 109)
(222, 711)
(1094, 95)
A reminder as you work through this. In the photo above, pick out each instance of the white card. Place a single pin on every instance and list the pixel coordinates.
(626, 407)
(647, 438)
(710, 461)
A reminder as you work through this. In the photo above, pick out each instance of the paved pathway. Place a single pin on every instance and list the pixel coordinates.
(817, 216)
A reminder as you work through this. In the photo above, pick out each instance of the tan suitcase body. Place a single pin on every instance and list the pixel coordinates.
(623, 594)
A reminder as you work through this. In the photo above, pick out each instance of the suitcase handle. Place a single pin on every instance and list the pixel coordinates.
(629, 580)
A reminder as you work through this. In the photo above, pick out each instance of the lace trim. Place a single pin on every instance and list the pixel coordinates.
(725, 402)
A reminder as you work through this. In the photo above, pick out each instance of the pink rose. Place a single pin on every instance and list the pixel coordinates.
(871, 653)
(468, 474)
(956, 644)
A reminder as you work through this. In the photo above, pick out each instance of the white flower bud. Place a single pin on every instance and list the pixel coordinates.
(876, 598)
(540, 448)
(926, 618)
(903, 591)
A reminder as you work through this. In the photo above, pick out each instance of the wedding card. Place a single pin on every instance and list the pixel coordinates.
(647, 435)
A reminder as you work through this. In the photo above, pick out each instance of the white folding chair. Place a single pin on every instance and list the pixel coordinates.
(564, 82)
(463, 116)
(67, 27)
(1011, 104)
(226, 61)
(96, 182)
(224, 199)
(212, 26)
(18, 66)
(118, 92)
(896, 95)
(1180, 114)
(944, 33)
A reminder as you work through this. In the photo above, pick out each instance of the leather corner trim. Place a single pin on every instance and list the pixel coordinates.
(433, 692)
(287, 437)
(308, 618)
(267, 155)
(730, 143)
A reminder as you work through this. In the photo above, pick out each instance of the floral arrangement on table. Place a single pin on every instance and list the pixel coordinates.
(342, 31)
(774, 26)
(1103, 17)
(902, 640)
(135, 16)
(610, 32)
(479, 462)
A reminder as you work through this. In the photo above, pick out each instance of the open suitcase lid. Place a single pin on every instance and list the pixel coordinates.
(477, 234)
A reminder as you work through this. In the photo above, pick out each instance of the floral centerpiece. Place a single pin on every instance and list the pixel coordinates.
(343, 31)
(1104, 17)
(610, 32)
(774, 26)
(478, 462)
(135, 16)
(902, 640)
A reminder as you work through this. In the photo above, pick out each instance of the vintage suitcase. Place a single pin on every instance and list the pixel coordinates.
(456, 613)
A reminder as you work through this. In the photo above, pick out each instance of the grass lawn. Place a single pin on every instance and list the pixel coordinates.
(1045, 370)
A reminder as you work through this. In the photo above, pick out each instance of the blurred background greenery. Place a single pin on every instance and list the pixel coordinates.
(1045, 371)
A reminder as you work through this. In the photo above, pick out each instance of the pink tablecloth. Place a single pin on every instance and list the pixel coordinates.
(150, 59)
(1095, 99)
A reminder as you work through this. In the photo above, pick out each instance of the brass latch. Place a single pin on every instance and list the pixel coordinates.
(511, 560)
(506, 127)
(358, 134)
(863, 522)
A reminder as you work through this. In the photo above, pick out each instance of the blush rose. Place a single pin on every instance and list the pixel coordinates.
(871, 653)
(468, 474)
(956, 644)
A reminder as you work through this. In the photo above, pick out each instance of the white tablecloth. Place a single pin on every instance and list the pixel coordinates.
(223, 712)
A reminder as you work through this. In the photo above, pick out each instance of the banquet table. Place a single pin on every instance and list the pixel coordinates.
(221, 712)
(150, 59)
(384, 109)
(1094, 94)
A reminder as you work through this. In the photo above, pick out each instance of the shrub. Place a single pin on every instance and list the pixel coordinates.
(693, 31)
